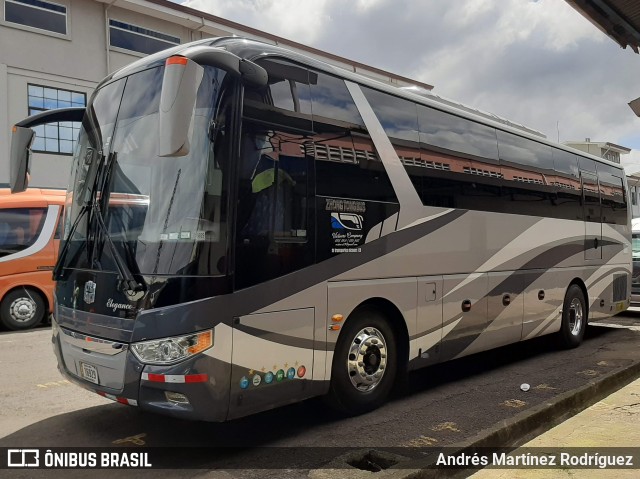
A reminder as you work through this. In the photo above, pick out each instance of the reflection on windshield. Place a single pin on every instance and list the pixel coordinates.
(164, 215)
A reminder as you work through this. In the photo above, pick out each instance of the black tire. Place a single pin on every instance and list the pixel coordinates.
(574, 318)
(22, 308)
(344, 395)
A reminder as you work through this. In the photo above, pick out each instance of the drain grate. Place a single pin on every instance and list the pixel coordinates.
(372, 461)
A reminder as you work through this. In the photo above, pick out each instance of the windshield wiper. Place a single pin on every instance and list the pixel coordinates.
(127, 282)
(57, 270)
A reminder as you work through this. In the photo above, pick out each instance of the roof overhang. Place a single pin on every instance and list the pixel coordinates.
(620, 149)
(620, 19)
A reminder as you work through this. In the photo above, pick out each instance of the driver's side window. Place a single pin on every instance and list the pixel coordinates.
(275, 191)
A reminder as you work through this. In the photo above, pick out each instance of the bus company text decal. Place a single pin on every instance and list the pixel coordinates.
(347, 224)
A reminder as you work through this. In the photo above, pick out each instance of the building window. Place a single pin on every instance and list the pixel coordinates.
(138, 39)
(37, 14)
(59, 137)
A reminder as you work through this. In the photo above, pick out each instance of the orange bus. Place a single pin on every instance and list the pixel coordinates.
(30, 231)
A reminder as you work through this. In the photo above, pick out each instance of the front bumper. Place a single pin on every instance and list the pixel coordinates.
(123, 378)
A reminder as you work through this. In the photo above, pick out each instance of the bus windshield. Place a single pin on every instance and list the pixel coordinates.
(165, 216)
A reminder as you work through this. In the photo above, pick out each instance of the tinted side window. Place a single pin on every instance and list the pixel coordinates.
(331, 100)
(458, 162)
(567, 183)
(399, 118)
(288, 85)
(590, 190)
(286, 100)
(274, 234)
(591, 198)
(449, 133)
(275, 227)
(528, 171)
(587, 164)
(613, 195)
(347, 164)
(19, 228)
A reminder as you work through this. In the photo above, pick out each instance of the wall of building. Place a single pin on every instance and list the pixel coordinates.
(36, 59)
(77, 62)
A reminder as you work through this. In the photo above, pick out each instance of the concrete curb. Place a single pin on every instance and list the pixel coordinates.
(511, 432)
(531, 423)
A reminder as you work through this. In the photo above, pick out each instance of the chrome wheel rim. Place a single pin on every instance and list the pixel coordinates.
(367, 359)
(22, 310)
(575, 316)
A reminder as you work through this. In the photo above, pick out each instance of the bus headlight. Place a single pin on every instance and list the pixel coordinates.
(172, 350)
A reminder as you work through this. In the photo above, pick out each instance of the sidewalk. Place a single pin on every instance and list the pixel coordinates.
(614, 421)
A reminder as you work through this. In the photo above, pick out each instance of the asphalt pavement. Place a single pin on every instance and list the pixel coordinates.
(453, 404)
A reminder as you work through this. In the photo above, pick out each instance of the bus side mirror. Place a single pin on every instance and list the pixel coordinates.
(180, 84)
(21, 139)
(183, 73)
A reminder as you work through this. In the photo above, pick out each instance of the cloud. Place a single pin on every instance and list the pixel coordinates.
(300, 20)
(539, 63)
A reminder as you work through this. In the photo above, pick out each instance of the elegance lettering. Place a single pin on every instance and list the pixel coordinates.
(115, 306)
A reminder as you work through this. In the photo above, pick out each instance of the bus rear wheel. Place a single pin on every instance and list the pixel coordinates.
(574, 318)
(364, 363)
(22, 308)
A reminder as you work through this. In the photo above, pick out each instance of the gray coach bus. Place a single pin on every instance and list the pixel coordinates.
(247, 227)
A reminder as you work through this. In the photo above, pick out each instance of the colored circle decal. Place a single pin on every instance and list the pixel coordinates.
(257, 379)
(280, 375)
(291, 373)
(268, 377)
(302, 371)
(244, 382)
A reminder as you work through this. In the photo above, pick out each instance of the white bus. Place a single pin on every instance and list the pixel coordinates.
(248, 227)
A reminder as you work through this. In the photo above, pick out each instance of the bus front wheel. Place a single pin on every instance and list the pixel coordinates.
(574, 318)
(22, 308)
(364, 363)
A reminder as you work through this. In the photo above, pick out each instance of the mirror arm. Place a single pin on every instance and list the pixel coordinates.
(51, 116)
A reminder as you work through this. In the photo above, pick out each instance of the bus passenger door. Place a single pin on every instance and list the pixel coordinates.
(592, 216)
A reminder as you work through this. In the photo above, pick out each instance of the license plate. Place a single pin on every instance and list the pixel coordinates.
(89, 372)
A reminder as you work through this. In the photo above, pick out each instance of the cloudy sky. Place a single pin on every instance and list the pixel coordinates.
(536, 62)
